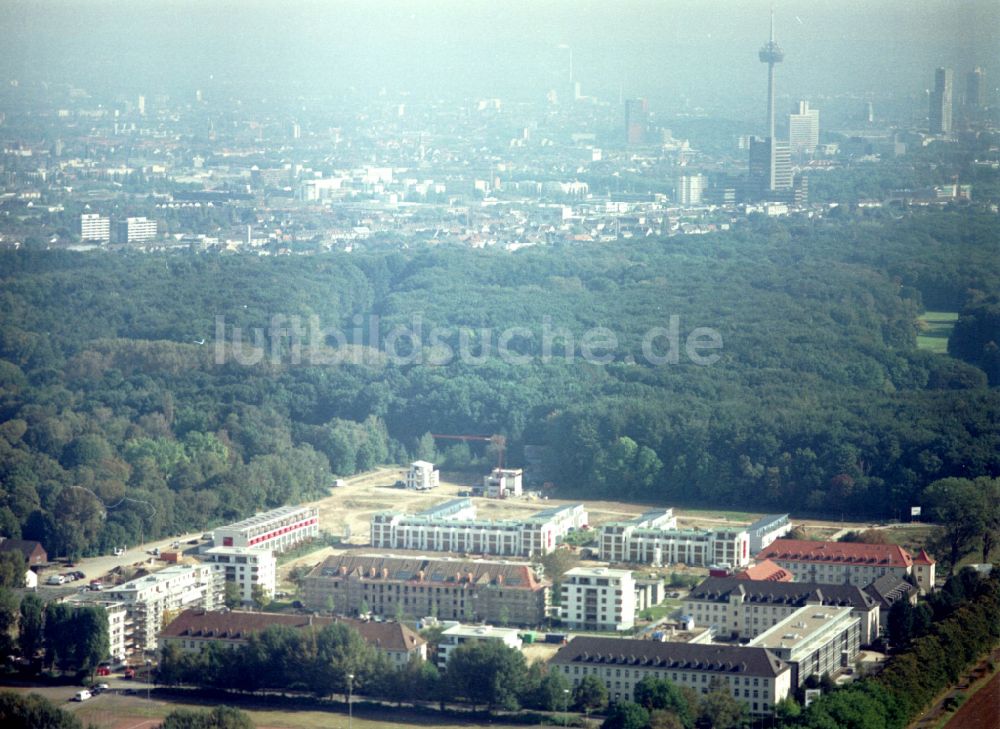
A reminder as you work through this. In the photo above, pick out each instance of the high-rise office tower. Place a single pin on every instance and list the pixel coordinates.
(803, 129)
(636, 121)
(940, 111)
(974, 88)
(141, 106)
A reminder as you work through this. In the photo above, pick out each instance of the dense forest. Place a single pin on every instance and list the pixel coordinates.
(134, 405)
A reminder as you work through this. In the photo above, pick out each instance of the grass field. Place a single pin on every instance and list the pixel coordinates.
(110, 711)
(935, 328)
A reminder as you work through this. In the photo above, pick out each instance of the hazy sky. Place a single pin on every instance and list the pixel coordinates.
(703, 49)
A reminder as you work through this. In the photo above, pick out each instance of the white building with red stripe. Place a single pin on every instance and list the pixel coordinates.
(277, 530)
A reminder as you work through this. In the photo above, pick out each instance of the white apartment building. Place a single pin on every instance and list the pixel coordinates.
(754, 676)
(136, 230)
(422, 476)
(814, 641)
(248, 568)
(277, 530)
(148, 599)
(95, 227)
(452, 527)
(767, 529)
(597, 598)
(120, 628)
(648, 540)
(503, 482)
(458, 635)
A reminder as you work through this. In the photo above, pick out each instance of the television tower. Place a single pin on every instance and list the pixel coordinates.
(771, 54)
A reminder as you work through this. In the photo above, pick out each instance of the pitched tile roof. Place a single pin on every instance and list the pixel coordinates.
(766, 571)
(719, 589)
(237, 625)
(857, 553)
(656, 654)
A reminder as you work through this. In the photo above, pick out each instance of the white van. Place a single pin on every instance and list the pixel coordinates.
(82, 695)
(56, 580)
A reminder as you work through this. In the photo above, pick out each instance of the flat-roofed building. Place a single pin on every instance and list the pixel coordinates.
(148, 599)
(193, 630)
(458, 635)
(642, 541)
(853, 563)
(765, 530)
(136, 230)
(120, 628)
(745, 608)
(452, 527)
(450, 589)
(814, 641)
(503, 482)
(598, 598)
(278, 530)
(754, 676)
(95, 227)
(247, 568)
(422, 476)
(614, 536)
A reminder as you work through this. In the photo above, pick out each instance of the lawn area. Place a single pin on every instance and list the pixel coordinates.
(111, 711)
(935, 328)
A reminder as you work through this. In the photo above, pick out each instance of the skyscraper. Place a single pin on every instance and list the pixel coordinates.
(636, 121)
(974, 88)
(940, 111)
(803, 129)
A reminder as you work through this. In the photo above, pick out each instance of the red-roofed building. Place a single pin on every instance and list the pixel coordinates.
(194, 629)
(766, 571)
(853, 563)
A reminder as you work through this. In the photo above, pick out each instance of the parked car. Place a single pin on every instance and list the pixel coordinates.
(120, 552)
(78, 575)
(99, 688)
(96, 585)
(82, 695)
(55, 580)
(129, 673)
(104, 670)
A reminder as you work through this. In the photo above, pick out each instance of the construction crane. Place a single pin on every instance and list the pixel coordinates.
(499, 442)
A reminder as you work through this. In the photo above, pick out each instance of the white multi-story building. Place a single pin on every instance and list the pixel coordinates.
(653, 539)
(458, 635)
(120, 629)
(768, 528)
(136, 230)
(95, 227)
(689, 189)
(278, 530)
(149, 599)
(422, 476)
(803, 129)
(754, 676)
(814, 641)
(503, 482)
(597, 598)
(452, 527)
(248, 568)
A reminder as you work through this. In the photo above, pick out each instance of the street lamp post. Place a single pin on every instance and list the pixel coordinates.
(350, 695)
(565, 707)
(149, 677)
